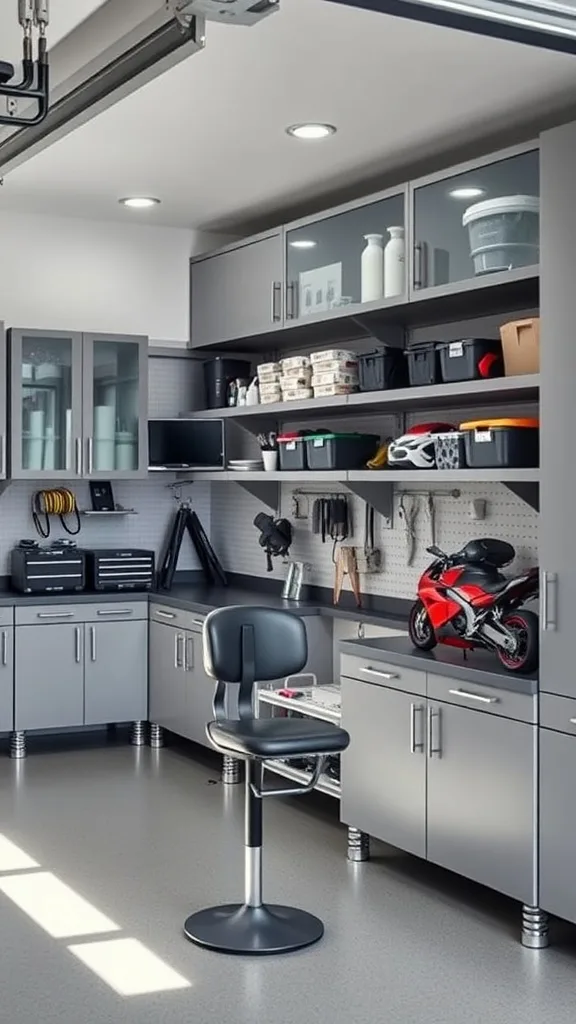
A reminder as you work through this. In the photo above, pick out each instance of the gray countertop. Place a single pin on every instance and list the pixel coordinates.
(480, 667)
(10, 599)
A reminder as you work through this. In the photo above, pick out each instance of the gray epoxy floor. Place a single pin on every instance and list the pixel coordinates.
(146, 838)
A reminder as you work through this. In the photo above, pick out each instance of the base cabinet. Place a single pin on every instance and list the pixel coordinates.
(557, 823)
(6, 679)
(167, 692)
(49, 679)
(481, 798)
(383, 772)
(116, 672)
(452, 784)
(200, 689)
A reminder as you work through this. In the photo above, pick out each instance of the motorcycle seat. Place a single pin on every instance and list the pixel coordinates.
(491, 581)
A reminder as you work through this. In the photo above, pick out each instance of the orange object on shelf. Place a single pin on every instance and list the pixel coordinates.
(493, 424)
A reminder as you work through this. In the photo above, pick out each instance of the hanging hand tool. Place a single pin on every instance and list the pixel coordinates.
(431, 516)
(346, 565)
(409, 511)
(370, 557)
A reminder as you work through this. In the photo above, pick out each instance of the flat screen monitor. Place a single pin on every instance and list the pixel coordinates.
(176, 444)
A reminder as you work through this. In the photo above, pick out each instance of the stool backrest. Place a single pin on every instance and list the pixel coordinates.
(246, 645)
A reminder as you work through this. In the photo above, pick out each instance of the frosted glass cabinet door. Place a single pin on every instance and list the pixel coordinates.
(46, 404)
(349, 257)
(115, 406)
(480, 221)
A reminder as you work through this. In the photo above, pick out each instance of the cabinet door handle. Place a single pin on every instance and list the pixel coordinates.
(381, 675)
(78, 644)
(432, 714)
(475, 696)
(55, 615)
(414, 745)
(166, 615)
(78, 456)
(3, 467)
(190, 654)
(90, 455)
(420, 265)
(290, 301)
(116, 611)
(548, 610)
(178, 650)
(4, 648)
(276, 301)
(92, 643)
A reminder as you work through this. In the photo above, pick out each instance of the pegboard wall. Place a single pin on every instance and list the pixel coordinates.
(235, 539)
(151, 498)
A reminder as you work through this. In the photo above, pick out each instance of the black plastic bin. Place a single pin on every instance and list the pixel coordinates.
(502, 443)
(382, 370)
(340, 451)
(424, 364)
(470, 359)
(292, 451)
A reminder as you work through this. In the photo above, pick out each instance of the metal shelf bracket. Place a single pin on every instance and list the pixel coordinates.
(378, 494)
(529, 492)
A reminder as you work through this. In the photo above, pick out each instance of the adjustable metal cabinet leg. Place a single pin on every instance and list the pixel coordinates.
(534, 927)
(230, 770)
(156, 736)
(358, 845)
(18, 745)
(138, 734)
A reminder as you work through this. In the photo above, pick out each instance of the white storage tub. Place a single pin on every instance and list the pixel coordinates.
(504, 233)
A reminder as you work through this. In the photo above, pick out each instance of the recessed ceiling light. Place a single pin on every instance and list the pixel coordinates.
(139, 202)
(467, 192)
(311, 130)
(303, 243)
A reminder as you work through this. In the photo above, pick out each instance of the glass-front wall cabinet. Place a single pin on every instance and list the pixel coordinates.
(115, 405)
(352, 257)
(478, 222)
(46, 375)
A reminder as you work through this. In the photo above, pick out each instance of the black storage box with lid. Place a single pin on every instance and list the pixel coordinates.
(382, 370)
(470, 359)
(424, 364)
(292, 451)
(502, 443)
(340, 451)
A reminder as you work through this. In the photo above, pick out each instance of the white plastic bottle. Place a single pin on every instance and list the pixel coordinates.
(394, 256)
(373, 268)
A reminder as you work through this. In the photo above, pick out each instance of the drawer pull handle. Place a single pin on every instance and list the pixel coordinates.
(197, 622)
(4, 648)
(382, 675)
(117, 611)
(475, 696)
(55, 615)
(166, 615)
(573, 721)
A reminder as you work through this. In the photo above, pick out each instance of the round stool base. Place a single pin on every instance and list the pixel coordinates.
(253, 931)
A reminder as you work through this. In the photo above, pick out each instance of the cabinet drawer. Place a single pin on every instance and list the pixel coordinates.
(49, 614)
(7, 616)
(115, 611)
(558, 713)
(505, 703)
(381, 673)
(177, 617)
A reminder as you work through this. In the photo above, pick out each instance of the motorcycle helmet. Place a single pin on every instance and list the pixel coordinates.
(415, 449)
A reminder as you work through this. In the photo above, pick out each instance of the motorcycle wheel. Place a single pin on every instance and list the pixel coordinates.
(526, 626)
(420, 628)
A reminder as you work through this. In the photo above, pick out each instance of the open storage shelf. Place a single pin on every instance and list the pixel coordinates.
(304, 706)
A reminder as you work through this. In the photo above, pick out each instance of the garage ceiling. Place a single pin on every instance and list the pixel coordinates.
(208, 137)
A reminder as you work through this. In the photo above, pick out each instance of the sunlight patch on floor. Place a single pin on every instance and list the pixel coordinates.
(129, 967)
(55, 906)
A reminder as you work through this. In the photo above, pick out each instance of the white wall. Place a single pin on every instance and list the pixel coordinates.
(70, 274)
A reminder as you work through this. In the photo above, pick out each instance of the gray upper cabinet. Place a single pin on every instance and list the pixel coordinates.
(49, 676)
(481, 798)
(3, 407)
(78, 405)
(482, 220)
(115, 406)
(349, 257)
(384, 769)
(237, 293)
(45, 404)
(116, 672)
(557, 551)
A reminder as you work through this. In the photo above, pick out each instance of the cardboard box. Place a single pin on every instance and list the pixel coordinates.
(521, 346)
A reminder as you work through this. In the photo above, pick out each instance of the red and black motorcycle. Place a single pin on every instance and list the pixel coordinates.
(467, 593)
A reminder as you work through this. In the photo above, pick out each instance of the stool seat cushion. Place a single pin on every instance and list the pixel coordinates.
(277, 737)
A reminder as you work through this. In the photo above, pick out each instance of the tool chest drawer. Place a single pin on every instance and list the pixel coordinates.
(558, 713)
(177, 617)
(478, 697)
(381, 673)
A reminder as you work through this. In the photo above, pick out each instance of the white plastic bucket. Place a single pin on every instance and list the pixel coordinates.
(504, 233)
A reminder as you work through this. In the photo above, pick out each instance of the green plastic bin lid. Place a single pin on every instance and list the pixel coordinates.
(341, 437)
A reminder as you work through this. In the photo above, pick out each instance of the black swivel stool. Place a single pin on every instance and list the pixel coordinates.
(245, 645)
